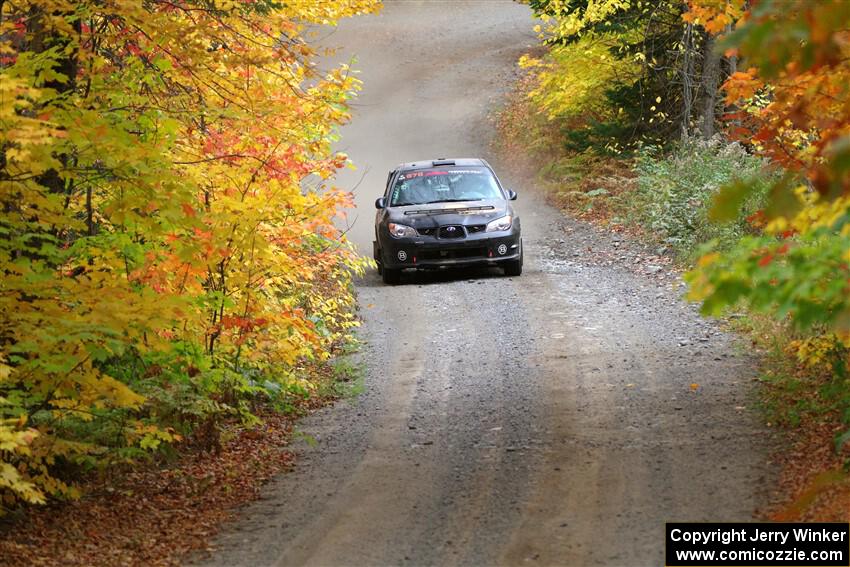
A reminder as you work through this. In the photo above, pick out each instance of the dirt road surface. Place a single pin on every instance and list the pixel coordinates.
(548, 419)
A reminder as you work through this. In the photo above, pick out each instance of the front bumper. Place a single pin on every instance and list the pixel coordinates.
(424, 252)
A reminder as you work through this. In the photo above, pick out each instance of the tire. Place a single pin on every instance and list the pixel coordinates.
(514, 267)
(376, 255)
(391, 276)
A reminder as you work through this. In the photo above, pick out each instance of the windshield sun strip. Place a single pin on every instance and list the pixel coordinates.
(449, 211)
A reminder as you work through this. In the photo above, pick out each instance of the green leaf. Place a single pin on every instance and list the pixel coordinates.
(728, 201)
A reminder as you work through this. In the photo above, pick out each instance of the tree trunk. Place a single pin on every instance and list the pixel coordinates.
(687, 75)
(732, 59)
(732, 62)
(710, 82)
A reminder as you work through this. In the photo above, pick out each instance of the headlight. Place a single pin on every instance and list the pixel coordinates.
(401, 230)
(503, 223)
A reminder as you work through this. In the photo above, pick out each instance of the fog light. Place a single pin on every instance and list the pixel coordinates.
(502, 249)
(402, 255)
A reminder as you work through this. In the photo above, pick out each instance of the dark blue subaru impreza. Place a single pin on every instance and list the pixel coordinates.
(444, 213)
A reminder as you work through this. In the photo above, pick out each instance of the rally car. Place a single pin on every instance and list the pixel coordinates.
(445, 213)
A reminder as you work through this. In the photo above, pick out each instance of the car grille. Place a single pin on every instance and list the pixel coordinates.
(452, 231)
(470, 229)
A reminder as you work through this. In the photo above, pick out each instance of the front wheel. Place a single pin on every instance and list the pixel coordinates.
(514, 267)
(390, 276)
(376, 255)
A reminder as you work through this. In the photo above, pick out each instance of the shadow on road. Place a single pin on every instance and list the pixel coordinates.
(432, 277)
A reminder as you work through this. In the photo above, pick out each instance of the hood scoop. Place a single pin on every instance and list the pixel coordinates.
(452, 211)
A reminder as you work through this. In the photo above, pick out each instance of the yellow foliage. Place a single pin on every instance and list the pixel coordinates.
(15, 443)
(816, 353)
(572, 79)
(165, 189)
(576, 21)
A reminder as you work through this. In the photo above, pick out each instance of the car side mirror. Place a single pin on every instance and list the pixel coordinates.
(380, 203)
(511, 195)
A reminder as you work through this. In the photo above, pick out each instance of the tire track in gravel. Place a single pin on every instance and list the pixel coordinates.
(342, 525)
(635, 444)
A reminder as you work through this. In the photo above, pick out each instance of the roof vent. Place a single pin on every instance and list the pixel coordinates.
(442, 161)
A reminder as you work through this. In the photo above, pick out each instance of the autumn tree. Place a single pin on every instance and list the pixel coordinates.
(168, 245)
(657, 75)
(793, 101)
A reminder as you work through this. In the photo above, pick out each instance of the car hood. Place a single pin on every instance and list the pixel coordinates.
(437, 214)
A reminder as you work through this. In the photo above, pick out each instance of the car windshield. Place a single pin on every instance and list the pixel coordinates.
(441, 185)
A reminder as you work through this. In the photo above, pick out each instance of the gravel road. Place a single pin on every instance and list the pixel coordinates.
(558, 418)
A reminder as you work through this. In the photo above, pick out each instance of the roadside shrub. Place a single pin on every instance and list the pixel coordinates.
(590, 186)
(675, 189)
